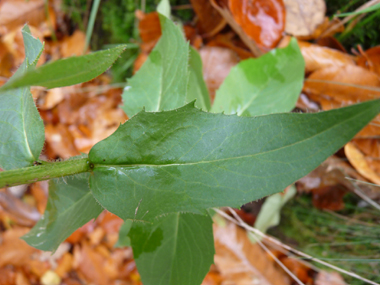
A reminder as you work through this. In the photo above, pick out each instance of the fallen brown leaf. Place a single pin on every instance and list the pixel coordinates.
(217, 63)
(337, 86)
(210, 22)
(358, 160)
(239, 261)
(15, 251)
(370, 60)
(317, 57)
(262, 20)
(14, 13)
(303, 17)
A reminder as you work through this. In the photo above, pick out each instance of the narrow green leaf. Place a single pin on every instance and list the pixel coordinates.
(68, 71)
(70, 206)
(161, 82)
(366, 10)
(176, 249)
(269, 84)
(188, 160)
(21, 128)
(197, 89)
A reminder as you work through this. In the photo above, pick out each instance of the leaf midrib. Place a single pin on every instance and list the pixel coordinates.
(236, 157)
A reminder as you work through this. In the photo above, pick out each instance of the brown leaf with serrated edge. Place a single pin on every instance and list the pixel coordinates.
(262, 20)
(303, 17)
(239, 261)
(358, 160)
(370, 59)
(217, 63)
(337, 86)
(210, 22)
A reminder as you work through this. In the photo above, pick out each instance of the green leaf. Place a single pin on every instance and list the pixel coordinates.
(176, 249)
(21, 128)
(269, 84)
(186, 160)
(68, 71)
(164, 8)
(197, 89)
(70, 206)
(366, 10)
(161, 82)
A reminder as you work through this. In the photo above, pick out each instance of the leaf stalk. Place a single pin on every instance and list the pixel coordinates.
(42, 172)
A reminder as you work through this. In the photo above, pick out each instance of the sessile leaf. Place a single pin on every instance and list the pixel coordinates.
(22, 130)
(68, 71)
(69, 207)
(188, 160)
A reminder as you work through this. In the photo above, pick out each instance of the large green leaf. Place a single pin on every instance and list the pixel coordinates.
(197, 89)
(269, 84)
(188, 160)
(161, 82)
(176, 249)
(69, 71)
(70, 206)
(21, 128)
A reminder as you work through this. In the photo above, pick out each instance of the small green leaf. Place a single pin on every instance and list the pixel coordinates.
(186, 160)
(269, 84)
(69, 71)
(161, 82)
(70, 206)
(269, 215)
(21, 128)
(175, 249)
(197, 89)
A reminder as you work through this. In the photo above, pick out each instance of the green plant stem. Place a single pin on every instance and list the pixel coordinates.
(91, 22)
(43, 172)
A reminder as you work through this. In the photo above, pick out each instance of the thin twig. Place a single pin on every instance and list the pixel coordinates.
(295, 278)
(290, 249)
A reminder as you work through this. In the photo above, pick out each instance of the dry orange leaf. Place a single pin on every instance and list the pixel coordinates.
(239, 261)
(149, 26)
(370, 59)
(60, 140)
(303, 16)
(217, 63)
(337, 86)
(227, 41)
(19, 12)
(73, 45)
(358, 160)
(262, 20)
(210, 22)
(15, 251)
(318, 57)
